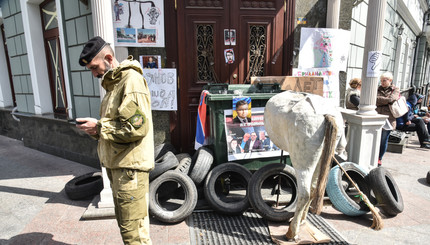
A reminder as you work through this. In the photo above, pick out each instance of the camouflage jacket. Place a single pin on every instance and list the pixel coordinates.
(125, 129)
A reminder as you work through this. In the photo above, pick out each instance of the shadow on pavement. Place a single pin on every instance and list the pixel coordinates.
(32, 238)
(423, 181)
(53, 197)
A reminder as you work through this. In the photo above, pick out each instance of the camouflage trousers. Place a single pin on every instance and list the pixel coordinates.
(130, 195)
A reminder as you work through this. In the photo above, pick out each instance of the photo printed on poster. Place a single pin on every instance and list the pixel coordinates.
(248, 140)
(138, 23)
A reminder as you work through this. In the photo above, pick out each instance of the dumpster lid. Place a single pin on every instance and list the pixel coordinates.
(223, 91)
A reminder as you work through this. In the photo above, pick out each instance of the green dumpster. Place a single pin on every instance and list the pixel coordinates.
(219, 99)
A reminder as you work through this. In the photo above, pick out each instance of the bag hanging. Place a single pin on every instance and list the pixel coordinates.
(399, 107)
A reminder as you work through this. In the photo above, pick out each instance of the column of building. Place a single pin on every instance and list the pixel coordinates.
(103, 27)
(364, 126)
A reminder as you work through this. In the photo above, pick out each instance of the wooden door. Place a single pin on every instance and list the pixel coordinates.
(259, 28)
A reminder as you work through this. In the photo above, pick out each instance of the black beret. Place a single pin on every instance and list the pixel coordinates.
(91, 49)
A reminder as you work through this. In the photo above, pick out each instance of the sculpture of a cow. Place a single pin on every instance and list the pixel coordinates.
(296, 122)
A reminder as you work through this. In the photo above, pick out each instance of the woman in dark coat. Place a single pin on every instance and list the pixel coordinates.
(387, 94)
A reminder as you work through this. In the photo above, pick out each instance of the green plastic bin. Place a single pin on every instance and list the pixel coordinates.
(220, 98)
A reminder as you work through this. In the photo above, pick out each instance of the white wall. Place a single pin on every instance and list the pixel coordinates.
(5, 89)
(36, 56)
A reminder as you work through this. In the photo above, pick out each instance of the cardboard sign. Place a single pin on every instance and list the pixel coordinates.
(162, 84)
(313, 85)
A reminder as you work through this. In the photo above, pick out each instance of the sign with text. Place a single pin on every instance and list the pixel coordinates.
(313, 85)
(162, 85)
(330, 84)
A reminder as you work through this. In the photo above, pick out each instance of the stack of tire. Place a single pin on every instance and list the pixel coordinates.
(230, 189)
(174, 180)
(272, 190)
(378, 185)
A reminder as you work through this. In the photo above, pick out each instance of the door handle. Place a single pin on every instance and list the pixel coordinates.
(234, 76)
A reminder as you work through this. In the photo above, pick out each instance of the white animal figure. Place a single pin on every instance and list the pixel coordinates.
(296, 123)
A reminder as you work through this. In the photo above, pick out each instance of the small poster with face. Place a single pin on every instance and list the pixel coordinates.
(233, 37)
(150, 61)
(229, 56)
(226, 37)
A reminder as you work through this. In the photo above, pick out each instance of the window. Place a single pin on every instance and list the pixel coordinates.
(53, 56)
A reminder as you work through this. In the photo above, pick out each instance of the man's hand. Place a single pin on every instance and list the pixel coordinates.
(408, 123)
(89, 125)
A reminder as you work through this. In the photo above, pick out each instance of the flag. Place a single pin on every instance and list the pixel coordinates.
(202, 129)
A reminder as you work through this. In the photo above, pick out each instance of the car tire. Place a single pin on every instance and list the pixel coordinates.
(201, 163)
(265, 181)
(161, 149)
(342, 192)
(84, 186)
(386, 191)
(224, 186)
(166, 162)
(186, 193)
(184, 162)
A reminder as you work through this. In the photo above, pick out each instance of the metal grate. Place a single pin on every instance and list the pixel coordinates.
(210, 228)
(207, 227)
(323, 226)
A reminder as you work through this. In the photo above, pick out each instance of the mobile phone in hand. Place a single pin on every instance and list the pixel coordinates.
(81, 122)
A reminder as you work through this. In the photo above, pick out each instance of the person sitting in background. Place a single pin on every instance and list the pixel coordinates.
(409, 122)
(418, 113)
(352, 99)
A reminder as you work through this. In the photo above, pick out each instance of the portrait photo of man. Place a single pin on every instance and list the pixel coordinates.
(243, 111)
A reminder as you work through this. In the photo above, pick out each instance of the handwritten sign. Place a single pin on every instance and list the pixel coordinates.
(330, 84)
(162, 85)
(313, 85)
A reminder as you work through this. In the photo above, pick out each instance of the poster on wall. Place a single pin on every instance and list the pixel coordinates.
(330, 81)
(162, 85)
(374, 62)
(324, 48)
(138, 23)
(248, 140)
(150, 61)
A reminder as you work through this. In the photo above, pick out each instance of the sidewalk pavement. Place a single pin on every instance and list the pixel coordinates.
(35, 209)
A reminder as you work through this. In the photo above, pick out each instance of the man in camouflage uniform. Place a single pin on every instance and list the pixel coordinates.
(125, 136)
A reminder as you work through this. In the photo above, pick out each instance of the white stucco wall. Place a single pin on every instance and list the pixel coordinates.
(36, 56)
(5, 89)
